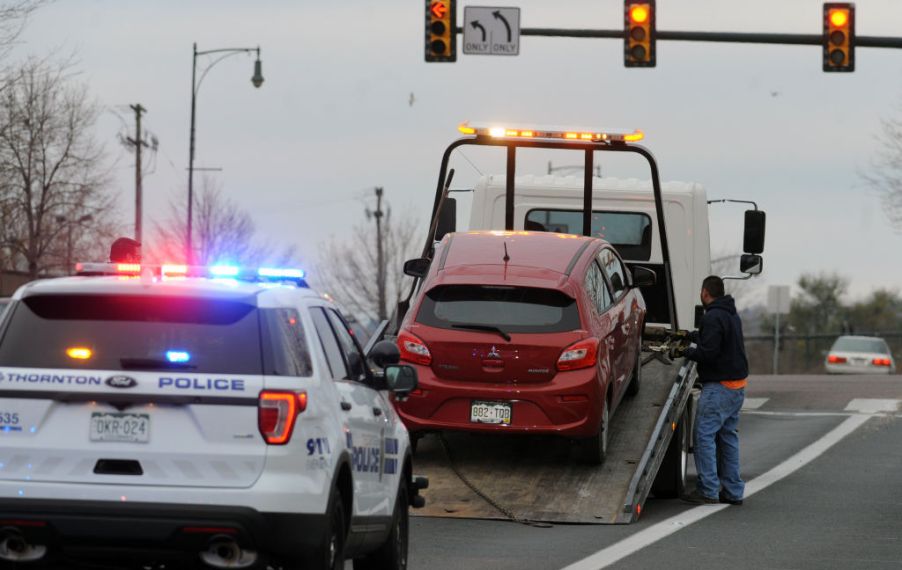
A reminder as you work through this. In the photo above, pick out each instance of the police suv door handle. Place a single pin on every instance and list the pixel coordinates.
(346, 406)
(377, 411)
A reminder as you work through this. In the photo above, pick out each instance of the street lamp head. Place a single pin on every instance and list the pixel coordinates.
(257, 79)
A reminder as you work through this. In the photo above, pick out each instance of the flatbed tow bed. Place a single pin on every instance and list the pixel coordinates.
(523, 478)
(534, 479)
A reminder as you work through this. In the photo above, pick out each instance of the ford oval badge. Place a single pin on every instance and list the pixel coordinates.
(121, 382)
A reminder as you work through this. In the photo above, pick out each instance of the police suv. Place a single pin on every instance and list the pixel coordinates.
(197, 417)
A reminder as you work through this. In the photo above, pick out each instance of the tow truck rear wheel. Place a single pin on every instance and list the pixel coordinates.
(593, 450)
(670, 482)
(392, 555)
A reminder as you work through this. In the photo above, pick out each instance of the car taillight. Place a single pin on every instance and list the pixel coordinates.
(882, 362)
(276, 414)
(833, 359)
(413, 349)
(582, 354)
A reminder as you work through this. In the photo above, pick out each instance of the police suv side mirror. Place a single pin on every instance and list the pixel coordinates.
(385, 354)
(753, 236)
(417, 267)
(751, 264)
(644, 277)
(401, 378)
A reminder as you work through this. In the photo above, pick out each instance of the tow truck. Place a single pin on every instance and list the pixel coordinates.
(529, 479)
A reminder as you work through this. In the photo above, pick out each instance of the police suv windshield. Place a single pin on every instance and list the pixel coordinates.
(132, 332)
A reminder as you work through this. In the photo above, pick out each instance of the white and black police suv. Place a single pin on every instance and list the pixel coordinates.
(197, 418)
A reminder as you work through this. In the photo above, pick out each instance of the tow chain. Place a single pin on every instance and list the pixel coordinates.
(466, 481)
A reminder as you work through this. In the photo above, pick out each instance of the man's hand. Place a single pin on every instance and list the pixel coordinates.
(677, 351)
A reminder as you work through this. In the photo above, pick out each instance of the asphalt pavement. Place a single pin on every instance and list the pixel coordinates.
(841, 510)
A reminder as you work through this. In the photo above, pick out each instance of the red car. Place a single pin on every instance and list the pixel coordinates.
(524, 332)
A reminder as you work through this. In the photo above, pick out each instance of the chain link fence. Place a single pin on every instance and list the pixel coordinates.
(804, 354)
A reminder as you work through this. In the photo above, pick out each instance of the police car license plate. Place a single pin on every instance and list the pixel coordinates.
(132, 428)
(490, 413)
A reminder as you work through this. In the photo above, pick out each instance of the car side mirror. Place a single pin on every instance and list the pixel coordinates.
(751, 264)
(644, 277)
(401, 378)
(753, 236)
(447, 219)
(385, 354)
(417, 267)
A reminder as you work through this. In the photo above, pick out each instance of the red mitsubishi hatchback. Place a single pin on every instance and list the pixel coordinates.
(524, 332)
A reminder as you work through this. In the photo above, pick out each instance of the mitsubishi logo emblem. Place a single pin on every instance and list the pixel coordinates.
(494, 353)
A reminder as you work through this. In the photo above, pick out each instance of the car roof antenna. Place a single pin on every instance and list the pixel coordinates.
(506, 256)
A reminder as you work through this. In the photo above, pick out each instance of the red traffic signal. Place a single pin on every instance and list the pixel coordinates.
(441, 30)
(839, 36)
(639, 33)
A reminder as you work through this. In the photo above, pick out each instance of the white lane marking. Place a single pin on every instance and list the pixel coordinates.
(872, 406)
(801, 414)
(754, 403)
(618, 551)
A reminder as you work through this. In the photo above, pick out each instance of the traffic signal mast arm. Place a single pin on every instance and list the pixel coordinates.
(720, 37)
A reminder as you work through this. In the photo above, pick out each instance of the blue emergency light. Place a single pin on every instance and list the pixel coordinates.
(178, 356)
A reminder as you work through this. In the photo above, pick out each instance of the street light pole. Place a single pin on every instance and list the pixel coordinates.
(256, 80)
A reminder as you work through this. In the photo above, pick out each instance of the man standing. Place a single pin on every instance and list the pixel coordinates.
(125, 250)
(723, 371)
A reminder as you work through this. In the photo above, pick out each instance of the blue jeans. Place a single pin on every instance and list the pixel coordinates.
(717, 442)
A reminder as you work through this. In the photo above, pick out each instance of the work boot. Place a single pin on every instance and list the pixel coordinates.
(728, 501)
(697, 498)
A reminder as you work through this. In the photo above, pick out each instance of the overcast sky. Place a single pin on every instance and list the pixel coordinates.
(334, 119)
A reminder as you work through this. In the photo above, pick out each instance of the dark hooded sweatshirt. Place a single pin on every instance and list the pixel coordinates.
(721, 351)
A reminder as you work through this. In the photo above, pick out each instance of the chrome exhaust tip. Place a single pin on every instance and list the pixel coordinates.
(14, 547)
(223, 552)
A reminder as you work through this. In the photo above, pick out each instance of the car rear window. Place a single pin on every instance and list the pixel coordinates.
(512, 309)
(131, 332)
(852, 344)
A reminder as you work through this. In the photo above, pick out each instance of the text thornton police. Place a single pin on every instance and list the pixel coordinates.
(218, 384)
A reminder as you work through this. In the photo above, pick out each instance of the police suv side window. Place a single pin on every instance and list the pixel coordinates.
(287, 354)
(614, 270)
(598, 289)
(353, 355)
(330, 343)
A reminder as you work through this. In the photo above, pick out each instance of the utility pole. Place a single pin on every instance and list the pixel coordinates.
(380, 260)
(138, 142)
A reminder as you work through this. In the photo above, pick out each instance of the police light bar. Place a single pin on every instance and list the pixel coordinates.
(181, 271)
(574, 135)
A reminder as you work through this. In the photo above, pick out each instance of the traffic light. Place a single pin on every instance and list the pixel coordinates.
(441, 33)
(839, 36)
(639, 33)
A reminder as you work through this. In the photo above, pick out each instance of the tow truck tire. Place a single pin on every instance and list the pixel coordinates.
(670, 482)
(593, 450)
(392, 555)
(636, 379)
(330, 555)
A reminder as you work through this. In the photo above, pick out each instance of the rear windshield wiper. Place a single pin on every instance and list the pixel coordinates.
(153, 364)
(487, 328)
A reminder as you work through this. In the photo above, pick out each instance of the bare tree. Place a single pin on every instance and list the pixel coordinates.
(52, 173)
(13, 17)
(223, 232)
(885, 172)
(348, 267)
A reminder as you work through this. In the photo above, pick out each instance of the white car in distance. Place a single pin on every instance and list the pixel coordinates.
(860, 355)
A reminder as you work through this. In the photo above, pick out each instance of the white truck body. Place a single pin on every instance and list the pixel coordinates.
(685, 216)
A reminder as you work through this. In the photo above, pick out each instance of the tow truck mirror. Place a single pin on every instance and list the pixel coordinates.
(644, 277)
(447, 219)
(417, 267)
(751, 264)
(753, 236)
(385, 353)
(401, 378)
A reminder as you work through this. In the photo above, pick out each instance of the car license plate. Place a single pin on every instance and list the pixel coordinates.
(490, 413)
(132, 428)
